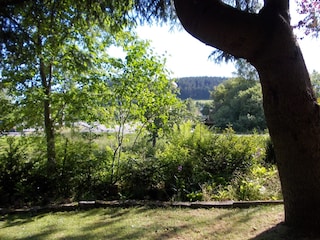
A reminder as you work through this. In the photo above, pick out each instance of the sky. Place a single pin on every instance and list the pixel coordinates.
(186, 56)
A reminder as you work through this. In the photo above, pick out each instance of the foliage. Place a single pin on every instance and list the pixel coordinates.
(142, 94)
(84, 169)
(259, 183)
(226, 154)
(56, 56)
(196, 156)
(191, 163)
(192, 110)
(51, 60)
(64, 74)
(310, 9)
(315, 81)
(270, 154)
(245, 70)
(238, 102)
(81, 170)
(20, 179)
(142, 179)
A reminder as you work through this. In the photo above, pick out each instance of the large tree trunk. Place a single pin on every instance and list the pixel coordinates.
(292, 113)
(293, 119)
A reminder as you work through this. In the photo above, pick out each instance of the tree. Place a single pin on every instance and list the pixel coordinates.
(267, 41)
(197, 88)
(238, 102)
(43, 45)
(142, 93)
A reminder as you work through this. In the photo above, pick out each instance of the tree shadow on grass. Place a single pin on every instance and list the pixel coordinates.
(18, 219)
(283, 232)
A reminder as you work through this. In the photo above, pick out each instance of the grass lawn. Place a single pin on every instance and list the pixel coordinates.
(148, 223)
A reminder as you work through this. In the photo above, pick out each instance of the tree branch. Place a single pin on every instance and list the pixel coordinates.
(277, 7)
(219, 25)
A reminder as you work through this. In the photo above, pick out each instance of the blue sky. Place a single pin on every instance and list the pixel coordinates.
(187, 56)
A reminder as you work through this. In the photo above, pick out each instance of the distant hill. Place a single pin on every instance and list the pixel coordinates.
(197, 88)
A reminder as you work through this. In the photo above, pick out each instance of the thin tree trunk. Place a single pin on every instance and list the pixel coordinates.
(48, 122)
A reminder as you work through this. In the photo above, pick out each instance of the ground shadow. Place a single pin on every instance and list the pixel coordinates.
(282, 232)
(18, 219)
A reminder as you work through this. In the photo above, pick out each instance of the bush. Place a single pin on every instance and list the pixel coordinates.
(21, 178)
(260, 183)
(143, 179)
(270, 154)
(83, 169)
(193, 163)
(207, 158)
(223, 155)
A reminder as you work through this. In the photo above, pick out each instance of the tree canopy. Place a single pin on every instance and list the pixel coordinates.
(237, 103)
(55, 63)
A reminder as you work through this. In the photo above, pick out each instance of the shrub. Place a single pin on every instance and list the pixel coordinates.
(270, 154)
(20, 179)
(224, 154)
(193, 163)
(83, 169)
(206, 157)
(260, 183)
(143, 179)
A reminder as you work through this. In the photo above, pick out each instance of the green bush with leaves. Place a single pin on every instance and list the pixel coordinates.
(196, 156)
(143, 179)
(192, 163)
(22, 171)
(225, 154)
(83, 168)
(260, 183)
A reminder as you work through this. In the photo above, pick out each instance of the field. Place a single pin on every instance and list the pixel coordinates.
(148, 223)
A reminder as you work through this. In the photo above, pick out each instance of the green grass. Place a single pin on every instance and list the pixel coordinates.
(146, 223)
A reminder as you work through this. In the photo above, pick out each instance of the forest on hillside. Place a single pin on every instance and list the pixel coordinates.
(197, 88)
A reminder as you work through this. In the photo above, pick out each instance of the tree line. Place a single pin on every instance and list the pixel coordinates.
(197, 88)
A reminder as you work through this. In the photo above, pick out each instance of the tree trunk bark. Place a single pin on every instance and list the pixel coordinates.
(292, 113)
(48, 123)
(293, 119)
